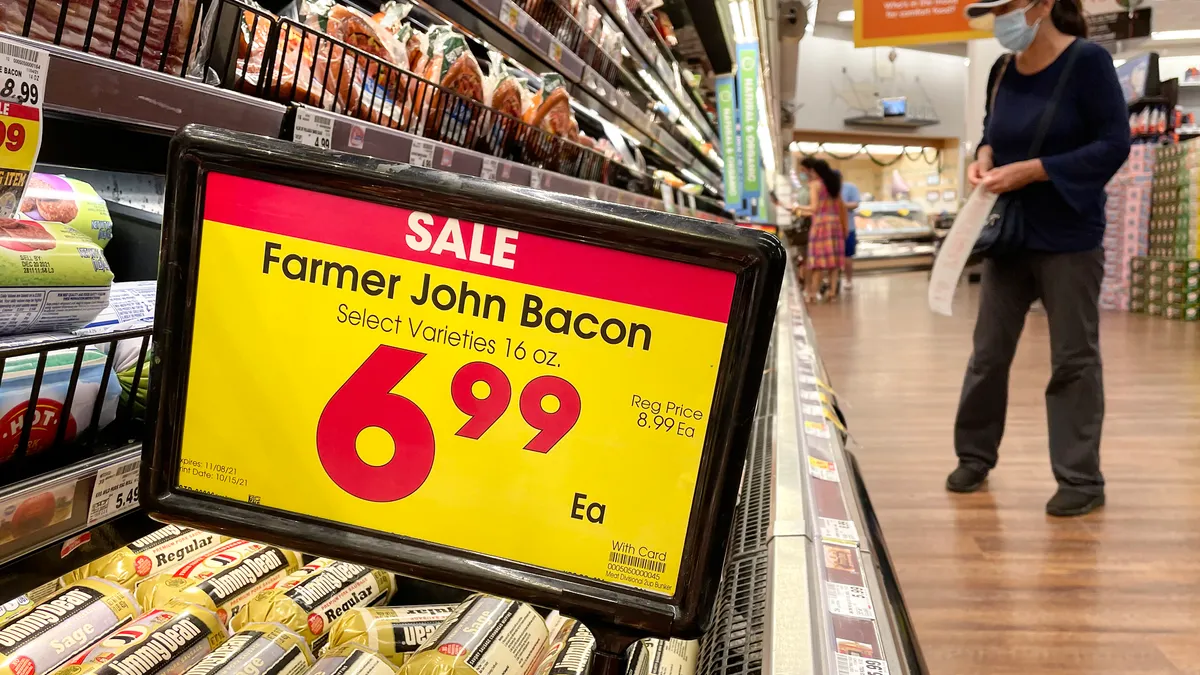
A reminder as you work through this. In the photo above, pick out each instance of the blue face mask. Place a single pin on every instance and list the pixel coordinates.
(1012, 32)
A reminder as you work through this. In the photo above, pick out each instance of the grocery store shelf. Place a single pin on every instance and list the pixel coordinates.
(84, 85)
(53, 508)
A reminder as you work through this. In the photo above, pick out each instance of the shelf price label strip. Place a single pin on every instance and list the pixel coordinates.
(451, 387)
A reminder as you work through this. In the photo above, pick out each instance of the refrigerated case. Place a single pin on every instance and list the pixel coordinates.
(110, 112)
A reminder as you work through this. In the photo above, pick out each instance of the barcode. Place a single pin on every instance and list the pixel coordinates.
(128, 468)
(622, 559)
(843, 664)
(18, 52)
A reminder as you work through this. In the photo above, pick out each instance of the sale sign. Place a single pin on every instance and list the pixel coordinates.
(886, 23)
(22, 89)
(514, 395)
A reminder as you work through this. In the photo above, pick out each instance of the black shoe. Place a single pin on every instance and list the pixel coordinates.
(1067, 502)
(965, 479)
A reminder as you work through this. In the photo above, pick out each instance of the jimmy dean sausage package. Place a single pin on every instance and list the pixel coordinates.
(257, 649)
(163, 642)
(224, 580)
(63, 626)
(51, 277)
(72, 202)
(393, 632)
(485, 635)
(569, 651)
(23, 604)
(663, 657)
(313, 597)
(353, 659)
(162, 551)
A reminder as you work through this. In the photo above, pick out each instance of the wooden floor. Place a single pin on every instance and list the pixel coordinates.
(993, 584)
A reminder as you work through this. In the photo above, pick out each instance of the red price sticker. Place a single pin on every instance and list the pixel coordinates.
(490, 390)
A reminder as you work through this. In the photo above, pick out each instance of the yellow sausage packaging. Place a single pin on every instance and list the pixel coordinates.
(353, 659)
(664, 657)
(485, 635)
(23, 604)
(312, 598)
(161, 551)
(393, 632)
(570, 649)
(62, 626)
(224, 580)
(258, 649)
(163, 642)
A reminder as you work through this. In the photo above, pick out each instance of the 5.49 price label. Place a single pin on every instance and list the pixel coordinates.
(517, 396)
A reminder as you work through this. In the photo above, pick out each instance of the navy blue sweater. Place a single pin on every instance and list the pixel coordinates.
(1087, 142)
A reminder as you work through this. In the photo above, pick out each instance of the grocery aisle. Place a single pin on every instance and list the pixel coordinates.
(994, 585)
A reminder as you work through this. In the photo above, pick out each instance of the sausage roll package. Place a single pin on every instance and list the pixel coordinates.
(161, 642)
(162, 551)
(352, 659)
(52, 277)
(63, 626)
(23, 604)
(258, 649)
(392, 632)
(72, 202)
(17, 386)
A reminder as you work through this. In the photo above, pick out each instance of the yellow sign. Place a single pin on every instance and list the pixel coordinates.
(22, 90)
(535, 399)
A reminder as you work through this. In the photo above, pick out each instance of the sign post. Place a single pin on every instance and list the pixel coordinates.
(456, 380)
(727, 113)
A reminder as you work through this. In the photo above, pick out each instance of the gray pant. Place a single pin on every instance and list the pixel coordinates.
(1069, 287)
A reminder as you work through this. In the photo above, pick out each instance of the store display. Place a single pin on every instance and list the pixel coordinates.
(63, 626)
(266, 648)
(352, 659)
(52, 277)
(484, 635)
(1128, 214)
(1167, 287)
(162, 552)
(393, 632)
(312, 598)
(161, 642)
(68, 201)
(225, 580)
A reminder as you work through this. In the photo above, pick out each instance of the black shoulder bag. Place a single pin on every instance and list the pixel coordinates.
(1004, 231)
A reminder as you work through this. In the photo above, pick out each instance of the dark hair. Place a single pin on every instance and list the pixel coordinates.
(832, 179)
(1067, 17)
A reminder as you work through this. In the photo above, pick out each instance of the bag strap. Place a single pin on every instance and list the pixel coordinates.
(1006, 59)
(1052, 107)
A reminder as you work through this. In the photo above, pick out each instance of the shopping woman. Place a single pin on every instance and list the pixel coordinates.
(1060, 187)
(827, 236)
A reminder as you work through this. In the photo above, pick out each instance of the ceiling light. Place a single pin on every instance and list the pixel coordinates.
(846, 15)
(1192, 34)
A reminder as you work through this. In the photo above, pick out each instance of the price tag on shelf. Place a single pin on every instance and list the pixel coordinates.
(488, 172)
(852, 664)
(447, 159)
(115, 491)
(833, 529)
(556, 51)
(535, 179)
(313, 129)
(822, 469)
(23, 72)
(592, 191)
(512, 16)
(421, 154)
(436, 361)
(849, 600)
(816, 429)
(812, 409)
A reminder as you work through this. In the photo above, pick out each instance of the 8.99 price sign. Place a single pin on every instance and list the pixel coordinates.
(501, 392)
(22, 88)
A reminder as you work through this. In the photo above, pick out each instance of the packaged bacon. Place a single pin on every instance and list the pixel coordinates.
(551, 109)
(167, 27)
(503, 90)
(391, 18)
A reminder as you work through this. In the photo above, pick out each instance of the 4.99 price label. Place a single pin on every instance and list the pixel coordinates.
(518, 396)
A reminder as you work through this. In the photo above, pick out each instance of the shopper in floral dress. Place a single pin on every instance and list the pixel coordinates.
(827, 238)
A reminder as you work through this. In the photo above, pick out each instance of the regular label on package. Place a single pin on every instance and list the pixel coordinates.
(849, 664)
(313, 129)
(833, 529)
(115, 491)
(849, 600)
(23, 73)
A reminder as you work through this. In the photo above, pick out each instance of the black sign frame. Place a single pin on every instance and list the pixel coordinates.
(757, 259)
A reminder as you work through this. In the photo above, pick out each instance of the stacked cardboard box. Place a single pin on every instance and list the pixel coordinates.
(1175, 209)
(1128, 217)
(1166, 287)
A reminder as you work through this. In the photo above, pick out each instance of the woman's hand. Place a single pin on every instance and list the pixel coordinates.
(1014, 176)
(977, 169)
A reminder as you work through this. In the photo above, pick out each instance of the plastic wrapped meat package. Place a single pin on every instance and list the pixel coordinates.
(52, 277)
(17, 386)
(167, 30)
(72, 202)
(28, 513)
(451, 65)
(506, 93)
(551, 108)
